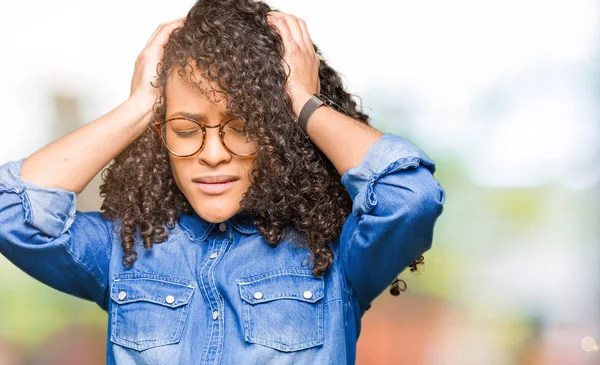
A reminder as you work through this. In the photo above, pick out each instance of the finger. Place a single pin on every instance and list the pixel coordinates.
(169, 26)
(158, 29)
(162, 36)
(286, 35)
(306, 36)
(294, 29)
(274, 13)
(272, 19)
(152, 36)
(271, 16)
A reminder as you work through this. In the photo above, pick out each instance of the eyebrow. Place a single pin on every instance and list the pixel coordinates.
(199, 116)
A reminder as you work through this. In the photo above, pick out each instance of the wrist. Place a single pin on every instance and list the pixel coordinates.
(141, 102)
(139, 110)
(299, 102)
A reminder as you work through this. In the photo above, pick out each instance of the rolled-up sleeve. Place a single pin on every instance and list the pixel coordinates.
(395, 204)
(43, 234)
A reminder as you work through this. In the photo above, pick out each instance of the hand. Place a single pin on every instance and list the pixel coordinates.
(146, 63)
(300, 55)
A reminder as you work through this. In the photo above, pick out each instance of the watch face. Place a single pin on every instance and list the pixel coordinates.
(330, 103)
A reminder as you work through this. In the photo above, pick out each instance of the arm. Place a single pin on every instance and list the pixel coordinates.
(72, 161)
(396, 199)
(40, 229)
(42, 233)
(396, 202)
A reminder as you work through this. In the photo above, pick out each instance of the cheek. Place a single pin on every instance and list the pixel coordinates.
(248, 166)
(177, 171)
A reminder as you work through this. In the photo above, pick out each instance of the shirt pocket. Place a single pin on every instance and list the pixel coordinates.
(148, 310)
(283, 309)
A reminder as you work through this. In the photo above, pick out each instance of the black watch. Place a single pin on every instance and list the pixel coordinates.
(311, 105)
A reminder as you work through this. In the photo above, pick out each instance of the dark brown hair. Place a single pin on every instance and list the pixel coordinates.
(295, 188)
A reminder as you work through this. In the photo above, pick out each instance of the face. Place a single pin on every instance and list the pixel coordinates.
(214, 202)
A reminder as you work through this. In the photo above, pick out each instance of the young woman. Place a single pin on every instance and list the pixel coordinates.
(243, 221)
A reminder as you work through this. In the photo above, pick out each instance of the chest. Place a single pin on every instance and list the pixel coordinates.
(237, 287)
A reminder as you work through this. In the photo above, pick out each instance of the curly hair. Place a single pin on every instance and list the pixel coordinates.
(295, 188)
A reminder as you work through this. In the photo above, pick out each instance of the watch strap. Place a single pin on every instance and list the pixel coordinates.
(309, 107)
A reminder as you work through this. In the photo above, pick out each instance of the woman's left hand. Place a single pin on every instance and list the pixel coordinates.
(300, 55)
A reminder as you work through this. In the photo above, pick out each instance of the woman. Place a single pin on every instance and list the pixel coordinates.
(233, 230)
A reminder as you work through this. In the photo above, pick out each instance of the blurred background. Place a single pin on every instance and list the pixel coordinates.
(503, 95)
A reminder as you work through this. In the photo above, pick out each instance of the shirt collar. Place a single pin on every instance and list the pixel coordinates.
(199, 229)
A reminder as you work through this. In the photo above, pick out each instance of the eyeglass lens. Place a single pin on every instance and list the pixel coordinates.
(184, 137)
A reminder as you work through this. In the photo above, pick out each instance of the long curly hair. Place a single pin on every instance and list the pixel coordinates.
(295, 188)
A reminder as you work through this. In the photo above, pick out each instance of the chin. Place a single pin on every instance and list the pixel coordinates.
(212, 213)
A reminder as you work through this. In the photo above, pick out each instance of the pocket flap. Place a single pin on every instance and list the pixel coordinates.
(158, 291)
(282, 285)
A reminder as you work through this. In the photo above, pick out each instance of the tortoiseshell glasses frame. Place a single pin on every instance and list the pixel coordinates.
(158, 127)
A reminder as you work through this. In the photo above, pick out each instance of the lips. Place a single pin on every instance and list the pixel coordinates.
(216, 179)
(214, 188)
(215, 182)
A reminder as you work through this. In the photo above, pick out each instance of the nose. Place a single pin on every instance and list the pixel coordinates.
(213, 152)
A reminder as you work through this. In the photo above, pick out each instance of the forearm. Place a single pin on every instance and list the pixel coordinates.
(342, 139)
(72, 161)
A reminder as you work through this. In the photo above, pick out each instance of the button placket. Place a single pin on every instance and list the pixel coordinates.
(218, 246)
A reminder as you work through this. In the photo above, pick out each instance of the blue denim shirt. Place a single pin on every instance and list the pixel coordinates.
(218, 293)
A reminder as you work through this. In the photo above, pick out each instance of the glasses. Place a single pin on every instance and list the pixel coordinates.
(185, 137)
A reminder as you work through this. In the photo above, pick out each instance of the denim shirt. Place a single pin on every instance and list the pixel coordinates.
(218, 293)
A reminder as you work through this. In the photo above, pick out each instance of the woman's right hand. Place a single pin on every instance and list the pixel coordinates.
(146, 63)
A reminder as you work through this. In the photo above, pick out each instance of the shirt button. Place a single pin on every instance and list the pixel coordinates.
(122, 295)
(214, 255)
(170, 299)
(215, 315)
(258, 295)
(222, 227)
(307, 294)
